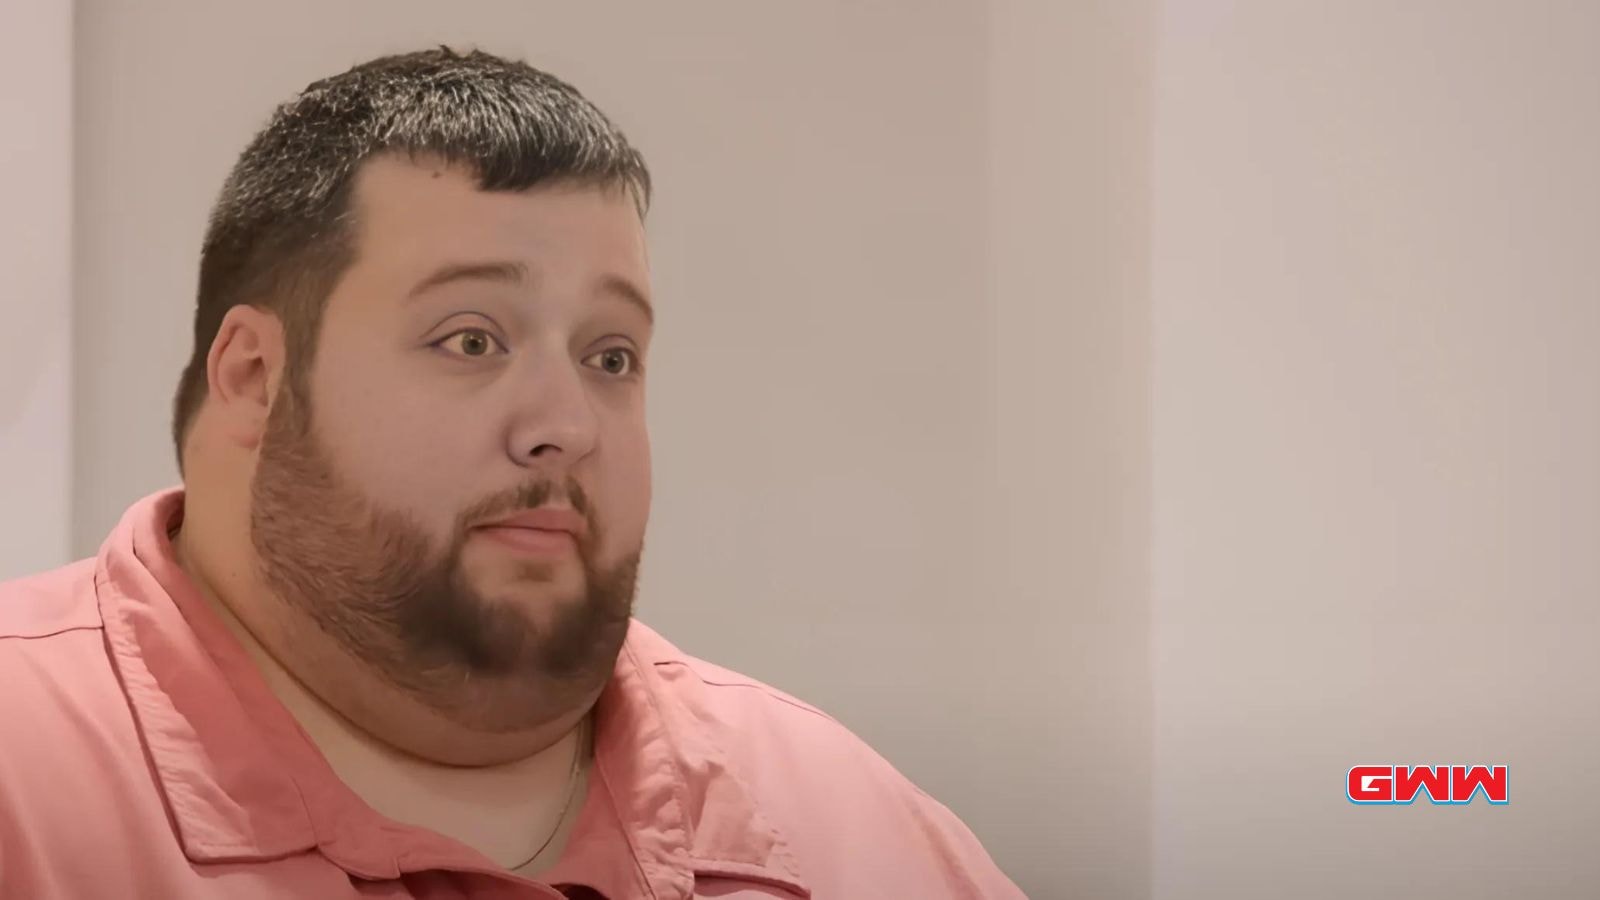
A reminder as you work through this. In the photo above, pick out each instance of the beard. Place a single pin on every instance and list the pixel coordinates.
(375, 582)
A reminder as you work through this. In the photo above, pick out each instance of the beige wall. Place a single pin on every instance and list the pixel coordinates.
(35, 285)
(1126, 415)
(1068, 242)
(1376, 488)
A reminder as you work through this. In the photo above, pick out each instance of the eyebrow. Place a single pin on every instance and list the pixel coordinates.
(500, 272)
(516, 273)
(617, 286)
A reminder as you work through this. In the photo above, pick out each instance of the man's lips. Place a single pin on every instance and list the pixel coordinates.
(541, 532)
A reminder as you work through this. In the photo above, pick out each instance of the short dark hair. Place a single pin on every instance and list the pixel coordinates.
(280, 233)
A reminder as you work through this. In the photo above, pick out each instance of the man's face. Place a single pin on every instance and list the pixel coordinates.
(481, 358)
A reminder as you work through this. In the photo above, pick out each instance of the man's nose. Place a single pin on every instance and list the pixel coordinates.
(555, 424)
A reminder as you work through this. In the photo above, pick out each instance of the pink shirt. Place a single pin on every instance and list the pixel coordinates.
(144, 756)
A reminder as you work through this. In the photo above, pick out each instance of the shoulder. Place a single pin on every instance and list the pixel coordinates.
(56, 673)
(850, 814)
(65, 777)
(703, 697)
(49, 603)
(53, 660)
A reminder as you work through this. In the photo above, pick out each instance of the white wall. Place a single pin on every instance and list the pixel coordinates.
(1376, 308)
(35, 285)
(1126, 415)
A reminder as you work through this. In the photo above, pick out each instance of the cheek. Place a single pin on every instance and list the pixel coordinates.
(403, 448)
(626, 482)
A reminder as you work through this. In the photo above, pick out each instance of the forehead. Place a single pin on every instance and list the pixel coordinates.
(411, 217)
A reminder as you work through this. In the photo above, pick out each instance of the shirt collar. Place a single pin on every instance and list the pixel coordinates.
(244, 783)
(682, 804)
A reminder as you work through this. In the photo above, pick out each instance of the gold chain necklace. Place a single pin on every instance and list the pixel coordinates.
(572, 790)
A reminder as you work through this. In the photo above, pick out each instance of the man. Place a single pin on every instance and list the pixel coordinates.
(381, 643)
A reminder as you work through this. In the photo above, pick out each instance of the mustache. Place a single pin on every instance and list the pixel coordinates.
(529, 496)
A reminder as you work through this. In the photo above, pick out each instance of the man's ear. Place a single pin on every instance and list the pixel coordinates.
(243, 370)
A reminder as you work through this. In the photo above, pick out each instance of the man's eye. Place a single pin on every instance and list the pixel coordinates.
(471, 342)
(615, 361)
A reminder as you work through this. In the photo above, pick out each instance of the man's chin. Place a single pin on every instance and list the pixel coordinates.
(547, 589)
